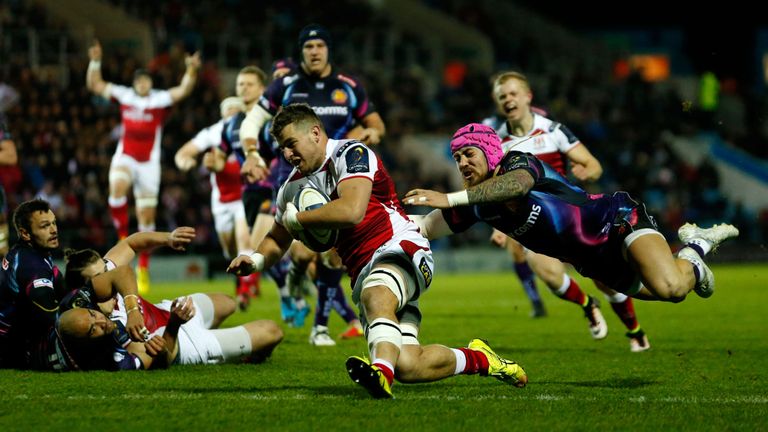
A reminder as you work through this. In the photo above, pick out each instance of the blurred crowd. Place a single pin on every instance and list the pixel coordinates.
(66, 136)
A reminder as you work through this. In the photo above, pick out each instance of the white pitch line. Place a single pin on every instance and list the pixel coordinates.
(542, 397)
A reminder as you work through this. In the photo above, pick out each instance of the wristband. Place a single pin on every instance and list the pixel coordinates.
(258, 261)
(456, 199)
(128, 312)
(125, 297)
(94, 65)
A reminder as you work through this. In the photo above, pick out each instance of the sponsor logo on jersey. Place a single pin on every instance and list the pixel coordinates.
(331, 110)
(339, 96)
(300, 95)
(41, 283)
(319, 85)
(425, 271)
(357, 160)
(137, 115)
(532, 217)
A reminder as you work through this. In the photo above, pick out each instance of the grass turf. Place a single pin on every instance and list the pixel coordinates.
(707, 370)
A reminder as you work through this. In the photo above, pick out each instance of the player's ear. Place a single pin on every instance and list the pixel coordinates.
(24, 235)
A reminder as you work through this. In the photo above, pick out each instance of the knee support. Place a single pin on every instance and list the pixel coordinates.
(119, 175)
(383, 330)
(146, 202)
(391, 280)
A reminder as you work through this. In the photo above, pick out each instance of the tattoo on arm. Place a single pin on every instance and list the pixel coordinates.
(501, 188)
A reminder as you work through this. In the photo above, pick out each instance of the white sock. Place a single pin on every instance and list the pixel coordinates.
(461, 361)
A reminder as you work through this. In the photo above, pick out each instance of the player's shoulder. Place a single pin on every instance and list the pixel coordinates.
(339, 147)
(348, 79)
(513, 160)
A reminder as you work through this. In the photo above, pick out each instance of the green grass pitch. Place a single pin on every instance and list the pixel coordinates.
(707, 370)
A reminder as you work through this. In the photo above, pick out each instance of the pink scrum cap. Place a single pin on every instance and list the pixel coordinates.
(482, 137)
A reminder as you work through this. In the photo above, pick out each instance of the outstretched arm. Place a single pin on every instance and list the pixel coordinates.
(186, 157)
(184, 89)
(93, 80)
(123, 252)
(270, 250)
(500, 188)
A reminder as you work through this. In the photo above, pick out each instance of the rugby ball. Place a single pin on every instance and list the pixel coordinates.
(317, 239)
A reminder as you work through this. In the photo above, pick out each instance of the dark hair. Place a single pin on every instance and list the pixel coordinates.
(77, 260)
(255, 70)
(296, 113)
(138, 73)
(22, 216)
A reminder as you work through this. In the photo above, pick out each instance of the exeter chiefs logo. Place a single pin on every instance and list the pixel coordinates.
(339, 96)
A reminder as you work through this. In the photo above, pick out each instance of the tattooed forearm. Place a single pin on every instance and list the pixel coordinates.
(501, 188)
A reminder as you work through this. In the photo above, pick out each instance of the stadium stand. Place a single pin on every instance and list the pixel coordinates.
(66, 137)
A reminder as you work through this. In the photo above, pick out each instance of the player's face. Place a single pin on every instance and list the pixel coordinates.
(472, 165)
(513, 99)
(301, 147)
(249, 88)
(92, 324)
(142, 85)
(44, 233)
(314, 54)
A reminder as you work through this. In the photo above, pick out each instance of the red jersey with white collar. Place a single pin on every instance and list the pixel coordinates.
(384, 218)
(142, 120)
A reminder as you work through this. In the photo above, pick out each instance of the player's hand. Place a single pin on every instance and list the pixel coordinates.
(254, 169)
(94, 51)
(182, 310)
(424, 197)
(135, 326)
(179, 238)
(498, 238)
(244, 265)
(156, 346)
(370, 136)
(291, 220)
(580, 172)
(193, 61)
(185, 164)
(214, 161)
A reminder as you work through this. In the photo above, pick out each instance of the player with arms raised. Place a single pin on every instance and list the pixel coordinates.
(143, 110)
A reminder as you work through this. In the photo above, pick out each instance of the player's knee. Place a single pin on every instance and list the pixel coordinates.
(671, 289)
(269, 334)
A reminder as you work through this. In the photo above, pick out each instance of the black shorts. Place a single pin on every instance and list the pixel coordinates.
(256, 201)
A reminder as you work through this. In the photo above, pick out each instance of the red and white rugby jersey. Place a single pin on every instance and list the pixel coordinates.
(385, 217)
(154, 317)
(226, 185)
(142, 119)
(547, 140)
